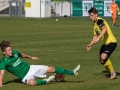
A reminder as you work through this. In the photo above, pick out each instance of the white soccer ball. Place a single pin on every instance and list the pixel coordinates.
(56, 19)
(59, 77)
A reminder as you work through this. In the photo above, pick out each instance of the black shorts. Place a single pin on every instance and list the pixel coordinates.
(108, 49)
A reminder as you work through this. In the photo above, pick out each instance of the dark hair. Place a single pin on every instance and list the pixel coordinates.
(4, 44)
(93, 10)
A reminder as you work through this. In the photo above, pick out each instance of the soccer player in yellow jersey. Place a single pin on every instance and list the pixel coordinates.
(102, 30)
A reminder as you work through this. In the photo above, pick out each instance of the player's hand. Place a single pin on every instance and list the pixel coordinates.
(111, 12)
(34, 58)
(88, 47)
(96, 41)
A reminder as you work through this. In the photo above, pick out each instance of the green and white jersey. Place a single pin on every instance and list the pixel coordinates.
(15, 65)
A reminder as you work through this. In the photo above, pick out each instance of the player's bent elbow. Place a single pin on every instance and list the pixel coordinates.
(31, 82)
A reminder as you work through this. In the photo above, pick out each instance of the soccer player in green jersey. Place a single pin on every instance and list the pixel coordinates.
(102, 30)
(12, 62)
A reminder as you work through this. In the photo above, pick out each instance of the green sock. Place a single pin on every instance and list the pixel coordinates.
(59, 70)
(40, 82)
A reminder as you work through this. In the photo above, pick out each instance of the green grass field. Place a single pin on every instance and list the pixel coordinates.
(60, 43)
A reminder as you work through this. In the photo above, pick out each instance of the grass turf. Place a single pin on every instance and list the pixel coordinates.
(60, 43)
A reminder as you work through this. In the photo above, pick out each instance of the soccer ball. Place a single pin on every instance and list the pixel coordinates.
(56, 19)
(59, 77)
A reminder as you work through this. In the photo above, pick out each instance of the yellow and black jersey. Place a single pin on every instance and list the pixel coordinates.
(108, 37)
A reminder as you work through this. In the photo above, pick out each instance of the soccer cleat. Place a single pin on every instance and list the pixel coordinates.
(49, 79)
(113, 75)
(112, 26)
(76, 70)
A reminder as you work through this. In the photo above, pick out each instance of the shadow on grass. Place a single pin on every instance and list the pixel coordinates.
(106, 74)
(70, 81)
(117, 25)
(19, 81)
(15, 80)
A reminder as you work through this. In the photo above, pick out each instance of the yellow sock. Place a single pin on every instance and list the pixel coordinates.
(108, 66)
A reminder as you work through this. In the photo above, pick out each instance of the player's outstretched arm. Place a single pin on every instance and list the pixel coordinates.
(28, 56)
(1, 77)
(91, 43)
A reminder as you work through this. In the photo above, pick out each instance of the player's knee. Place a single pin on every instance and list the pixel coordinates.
(103, 56)
(103, 60)
(31, 82)
(51, 69)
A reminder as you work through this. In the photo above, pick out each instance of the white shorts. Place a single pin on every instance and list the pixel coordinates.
(35, 71)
